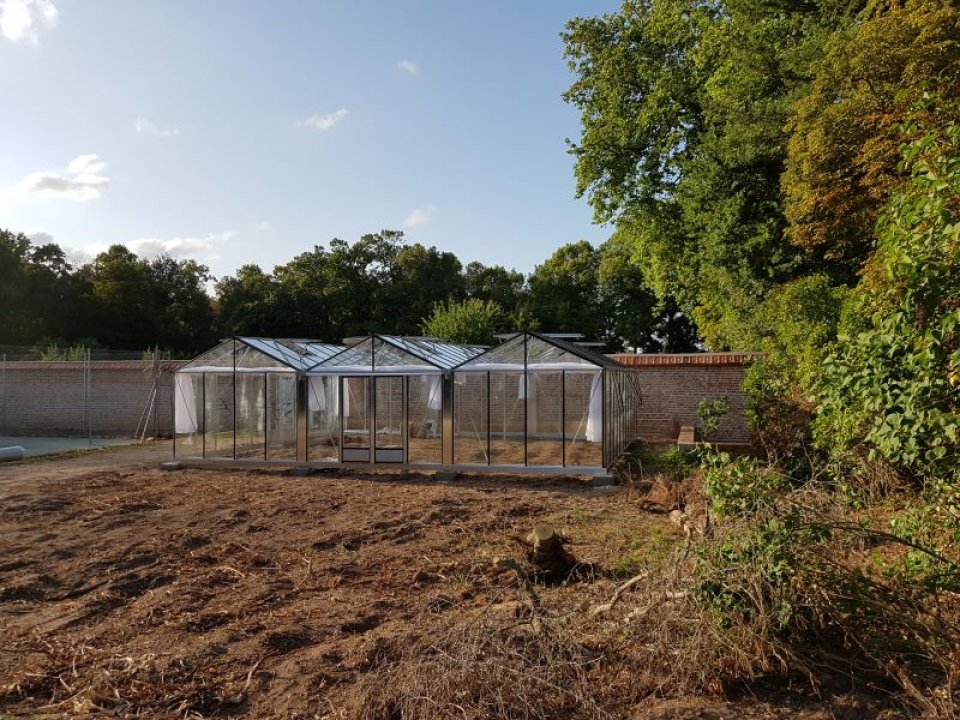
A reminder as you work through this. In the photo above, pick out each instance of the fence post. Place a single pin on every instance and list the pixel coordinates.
(89, 392)
(3, 394)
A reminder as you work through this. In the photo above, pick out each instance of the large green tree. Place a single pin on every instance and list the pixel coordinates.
(684, 105)
(845, 133)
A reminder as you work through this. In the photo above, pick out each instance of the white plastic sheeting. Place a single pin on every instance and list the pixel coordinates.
(595, 413)
(185, 405)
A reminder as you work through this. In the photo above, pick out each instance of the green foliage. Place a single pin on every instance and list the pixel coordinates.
(54, 351)
(470, 322)
(740, 486)
(683, 109)
(894, 386)
(710, 414)
(751, 576)
(676, 463)
(842, 160)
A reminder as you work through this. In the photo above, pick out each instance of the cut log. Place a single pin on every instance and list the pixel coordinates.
(548, 554)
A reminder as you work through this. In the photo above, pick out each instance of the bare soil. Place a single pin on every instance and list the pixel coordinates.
(127, 591)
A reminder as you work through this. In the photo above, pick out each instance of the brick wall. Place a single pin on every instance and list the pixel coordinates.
(41, 398)
(674, 385)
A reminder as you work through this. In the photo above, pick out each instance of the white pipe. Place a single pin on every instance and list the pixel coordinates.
(17, 452)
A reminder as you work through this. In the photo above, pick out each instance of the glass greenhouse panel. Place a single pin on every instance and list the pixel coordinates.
(470, 405)
(541, 352)
(249, 359)
(188, 415)
(583, 418)
(323, 418)
(510, 352)
(507, 407)
(356, 417)
(388, 403)
(544, 397)
(219, 357)
(281, 410)
(218, 416)
(424, 418)
(251, 415)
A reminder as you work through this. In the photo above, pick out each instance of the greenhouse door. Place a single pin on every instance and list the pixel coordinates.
(373, 419)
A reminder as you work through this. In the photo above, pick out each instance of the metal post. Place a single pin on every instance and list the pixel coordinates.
(3, 394)
(89, 392)
(173, 411)
(405, 400)
(234, 354)
(203, 411)
(489, 447)
(563, 418)
(526, 398)
(266, 419)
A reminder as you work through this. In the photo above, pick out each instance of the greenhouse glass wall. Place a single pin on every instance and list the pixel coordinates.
(535, 401)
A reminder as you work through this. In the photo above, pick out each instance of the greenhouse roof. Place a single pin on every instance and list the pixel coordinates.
(538, 352)
(383, 353)
(252, 354)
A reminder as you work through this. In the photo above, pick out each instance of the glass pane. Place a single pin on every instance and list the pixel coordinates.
(281, 417)
(583, 419)
(249, 359)
(389, 407)
(251, 416)
(544, 411)
(506, 418)
(386, 356)
(219, 357)
(508, 353)
(425, 403)
(542, 352)
(470, 418)
(323, 404)
(356, 424)
(188, 414)
(359, 355)
(218, 416)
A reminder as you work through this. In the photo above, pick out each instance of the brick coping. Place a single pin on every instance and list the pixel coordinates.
(667, 359)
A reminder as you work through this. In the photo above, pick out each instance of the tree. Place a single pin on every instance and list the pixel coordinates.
(124, 299)
(18, 324)
(683, 106)
(184, 315)
(564, 291)
(845, 133)
(633, 316)
(469, 322)
(420, 278)
(893, 383)
(246, 304)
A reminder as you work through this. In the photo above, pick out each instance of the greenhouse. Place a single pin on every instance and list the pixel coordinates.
(534, 401)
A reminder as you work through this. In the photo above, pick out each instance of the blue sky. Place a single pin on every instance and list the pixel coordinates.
(236, 131)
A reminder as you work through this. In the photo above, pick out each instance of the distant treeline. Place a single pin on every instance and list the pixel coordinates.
(379, 283)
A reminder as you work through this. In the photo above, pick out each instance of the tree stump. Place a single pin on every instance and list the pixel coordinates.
(548, 554)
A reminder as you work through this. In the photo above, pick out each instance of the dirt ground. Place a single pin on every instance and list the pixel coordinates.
(126, 591)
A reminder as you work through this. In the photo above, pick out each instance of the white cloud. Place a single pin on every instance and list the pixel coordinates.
(19, 19)
(420, 216)
(323, 122)
(202, 248)
(83, 180)
(408, 66)
(149, 127)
